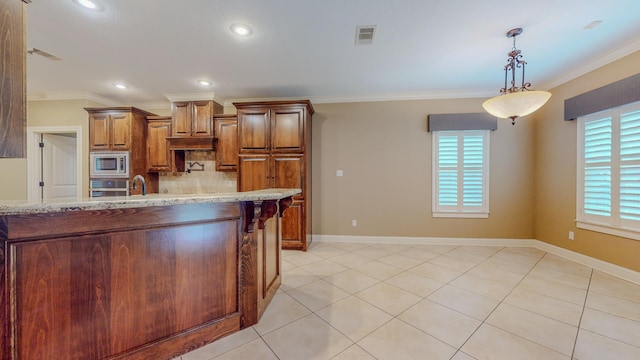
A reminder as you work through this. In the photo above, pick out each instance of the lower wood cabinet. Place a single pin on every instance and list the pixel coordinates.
(256, 172)
(135, 283)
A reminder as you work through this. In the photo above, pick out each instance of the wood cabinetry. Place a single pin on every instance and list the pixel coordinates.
(13, 120)
(110, 130)
(159, 157)
(225, 130)
(123, 129)
(135, 283)
(192, 118)
(274, 141)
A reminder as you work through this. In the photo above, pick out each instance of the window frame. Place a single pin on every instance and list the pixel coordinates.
(460, 211)
(613, 224)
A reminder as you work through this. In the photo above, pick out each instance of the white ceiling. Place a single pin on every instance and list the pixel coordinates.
(306, 48)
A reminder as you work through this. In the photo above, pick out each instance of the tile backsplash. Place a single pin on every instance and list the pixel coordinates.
(198, 182)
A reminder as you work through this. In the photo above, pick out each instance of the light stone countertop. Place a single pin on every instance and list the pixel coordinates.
(121, 202)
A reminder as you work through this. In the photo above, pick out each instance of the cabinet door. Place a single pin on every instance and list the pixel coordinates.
(288, 173)
(293, 236)
(253, 130)
(226, 132)
(120, 131)
(253, 173)
(99, 131)
(181, 119)
(287, 130)
(201, 117)
(158, 154)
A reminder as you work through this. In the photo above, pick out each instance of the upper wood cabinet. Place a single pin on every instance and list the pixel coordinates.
(158, 153)
(192, 118)
(277, 129)
(123, 129)
(13, 120)
(225, 129)
(110, 131)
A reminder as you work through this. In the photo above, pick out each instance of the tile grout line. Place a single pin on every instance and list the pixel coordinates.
(584, 305)
(500, 303)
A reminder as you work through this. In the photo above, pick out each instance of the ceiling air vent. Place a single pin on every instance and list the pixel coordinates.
(42, 53)
(365, 34)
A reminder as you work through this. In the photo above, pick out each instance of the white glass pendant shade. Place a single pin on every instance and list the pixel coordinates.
(516, 104)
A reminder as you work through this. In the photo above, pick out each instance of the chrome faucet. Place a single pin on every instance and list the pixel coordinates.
(144, 183)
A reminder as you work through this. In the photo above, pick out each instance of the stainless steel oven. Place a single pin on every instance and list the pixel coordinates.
(109, 164)
(108, 187)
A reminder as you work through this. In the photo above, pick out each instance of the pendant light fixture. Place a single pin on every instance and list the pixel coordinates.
(515, 101)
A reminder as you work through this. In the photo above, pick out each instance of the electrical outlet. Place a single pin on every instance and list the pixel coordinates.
(354, 222)
(339, 173)
(571, 235)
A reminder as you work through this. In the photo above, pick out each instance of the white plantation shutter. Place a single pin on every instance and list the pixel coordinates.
(630, 166)
(597, 168)
(609, 171)
(460, 173)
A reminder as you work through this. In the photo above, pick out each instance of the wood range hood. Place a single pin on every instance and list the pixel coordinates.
(203, 143)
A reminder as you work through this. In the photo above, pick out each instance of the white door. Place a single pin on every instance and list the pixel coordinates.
(59, 167)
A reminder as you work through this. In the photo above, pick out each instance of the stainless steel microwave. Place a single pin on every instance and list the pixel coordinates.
(109, 164)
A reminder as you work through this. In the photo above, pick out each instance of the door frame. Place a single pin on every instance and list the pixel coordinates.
(33, 157)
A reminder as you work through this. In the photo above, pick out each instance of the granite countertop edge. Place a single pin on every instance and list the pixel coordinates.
(24, 207)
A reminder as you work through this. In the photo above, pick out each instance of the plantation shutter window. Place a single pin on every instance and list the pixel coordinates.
(609, 171)
(460, 173)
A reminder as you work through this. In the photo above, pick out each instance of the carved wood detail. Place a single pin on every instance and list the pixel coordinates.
(284, 205)
(268, 209)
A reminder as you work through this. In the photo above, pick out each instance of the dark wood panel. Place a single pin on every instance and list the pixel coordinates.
(121, 131)
(271, 262)
(181, 118)
(287, 130)
(253, 130)
(33, 226)
(42, 290)
(288, 173)
(13, 119)
(226, 133)
(97, 296)
(99, 131)
(202, 116)
(292, 227)
(253, 173)
(4, 309)
(158, 153)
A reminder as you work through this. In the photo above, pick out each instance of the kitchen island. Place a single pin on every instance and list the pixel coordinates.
(140, 277)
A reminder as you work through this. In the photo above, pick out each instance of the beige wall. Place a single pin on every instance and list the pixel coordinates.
(555, 172)
(384, 150)
(42, 113)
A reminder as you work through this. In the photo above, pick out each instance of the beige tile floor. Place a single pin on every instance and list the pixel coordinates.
(347, 301)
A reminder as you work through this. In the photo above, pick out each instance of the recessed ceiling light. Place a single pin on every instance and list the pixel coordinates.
(241, 29)
(90, 4)
(121, 86)
(204, 82)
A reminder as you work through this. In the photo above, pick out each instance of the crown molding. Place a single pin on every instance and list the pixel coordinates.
(194, 97)
(596, 63)
(431, 95)
(164, 105)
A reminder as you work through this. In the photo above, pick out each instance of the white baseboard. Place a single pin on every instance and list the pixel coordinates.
(597, 264)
